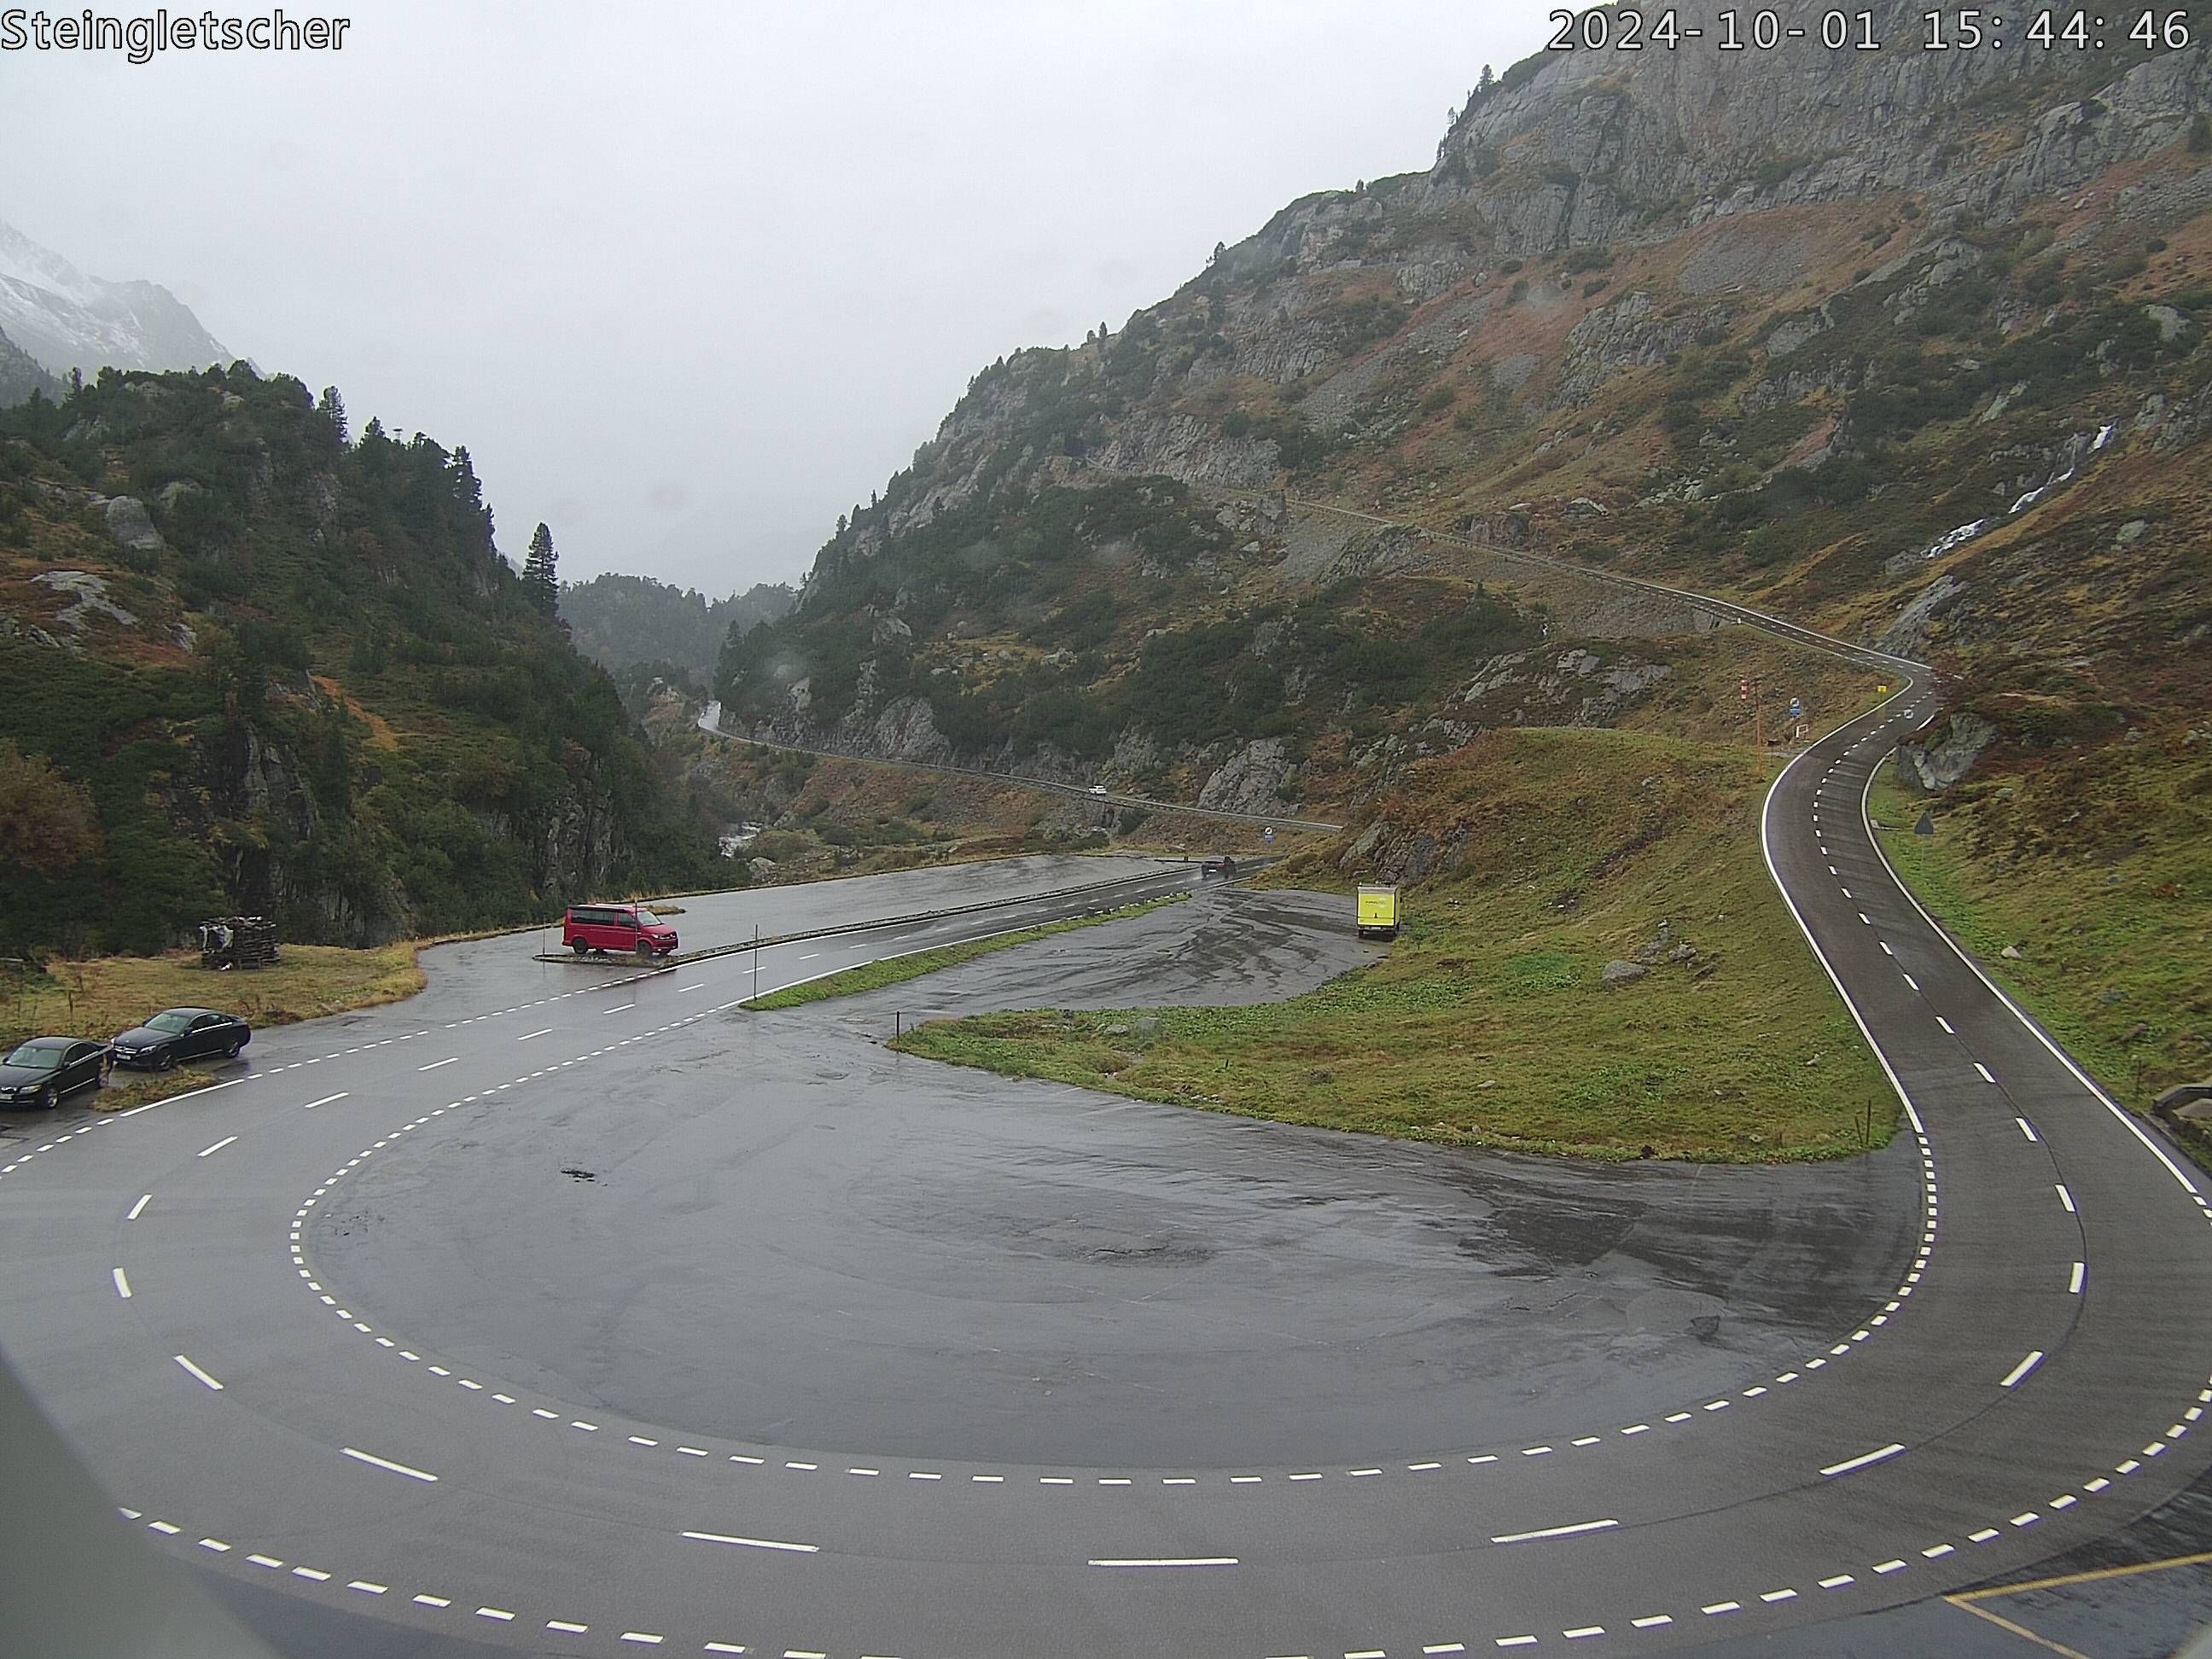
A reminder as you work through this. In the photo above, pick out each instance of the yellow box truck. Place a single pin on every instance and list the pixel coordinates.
(1378, 913)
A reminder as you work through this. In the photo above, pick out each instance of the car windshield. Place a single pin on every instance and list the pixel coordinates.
(172, 1021)
(37, 1056)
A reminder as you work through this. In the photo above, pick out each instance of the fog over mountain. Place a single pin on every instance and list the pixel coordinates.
(66, 319)
(690, 279)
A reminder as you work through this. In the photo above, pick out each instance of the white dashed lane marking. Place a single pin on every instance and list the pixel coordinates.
(2013, 1378)
(1553, 1532)
(207, 1152)
(386, 1463)
(197, 1372)
(755, 1543)
(1166, 1561)
(1863, 1460)
(450, 1060)
(326, 1100)
(541, 1031)
(139, 1208)
(122, 1284)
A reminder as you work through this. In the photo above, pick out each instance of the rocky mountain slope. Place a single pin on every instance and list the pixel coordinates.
(249, 663)
(1906, 345)
(67, 319)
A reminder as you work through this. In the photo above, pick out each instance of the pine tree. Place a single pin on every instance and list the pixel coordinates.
(333, 411)
(539, 580)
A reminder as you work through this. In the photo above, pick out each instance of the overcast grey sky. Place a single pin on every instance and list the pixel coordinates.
(690, 280)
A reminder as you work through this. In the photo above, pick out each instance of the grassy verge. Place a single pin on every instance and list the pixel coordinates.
(893, 970)
(106, 994)
(2098, 873)
(1552, 852)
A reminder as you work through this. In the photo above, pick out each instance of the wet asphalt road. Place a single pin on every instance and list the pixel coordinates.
(971, 1267)
(882, 1304)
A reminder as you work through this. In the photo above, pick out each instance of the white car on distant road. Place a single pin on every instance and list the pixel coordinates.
(1097, 788)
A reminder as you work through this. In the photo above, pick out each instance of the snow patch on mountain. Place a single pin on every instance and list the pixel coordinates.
(67, 319)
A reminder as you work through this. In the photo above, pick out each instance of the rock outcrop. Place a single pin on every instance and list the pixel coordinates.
(1936, 764)
(1251, 780)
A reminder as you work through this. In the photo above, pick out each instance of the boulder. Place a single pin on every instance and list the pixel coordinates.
(1618, 973)
(2172, 324)
(128, 526)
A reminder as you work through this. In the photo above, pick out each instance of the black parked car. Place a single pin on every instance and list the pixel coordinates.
(41, 1071)
(181, 1034)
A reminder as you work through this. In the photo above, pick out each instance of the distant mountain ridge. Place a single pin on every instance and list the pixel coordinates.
(67, 319)
(625, 621)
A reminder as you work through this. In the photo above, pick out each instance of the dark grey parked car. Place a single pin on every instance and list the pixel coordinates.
(181, 1034)
(41, 1071)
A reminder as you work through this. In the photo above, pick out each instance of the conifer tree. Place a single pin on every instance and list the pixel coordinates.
(539, 580)
(333, 411)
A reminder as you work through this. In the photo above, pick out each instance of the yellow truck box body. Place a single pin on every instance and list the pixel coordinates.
(1378, 913)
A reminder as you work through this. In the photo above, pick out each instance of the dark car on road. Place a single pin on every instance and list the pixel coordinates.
(626, 928)
(179, 1034)
(41, 1071)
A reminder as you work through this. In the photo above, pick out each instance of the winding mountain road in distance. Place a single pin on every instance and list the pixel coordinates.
(2027, 1373)
(710, 722)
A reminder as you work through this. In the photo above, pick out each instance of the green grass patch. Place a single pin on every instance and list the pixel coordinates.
(2097, 868)
(1555, 852)
(894, 970)
(103, 995)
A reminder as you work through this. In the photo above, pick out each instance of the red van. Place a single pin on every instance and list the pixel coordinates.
(629, 928)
